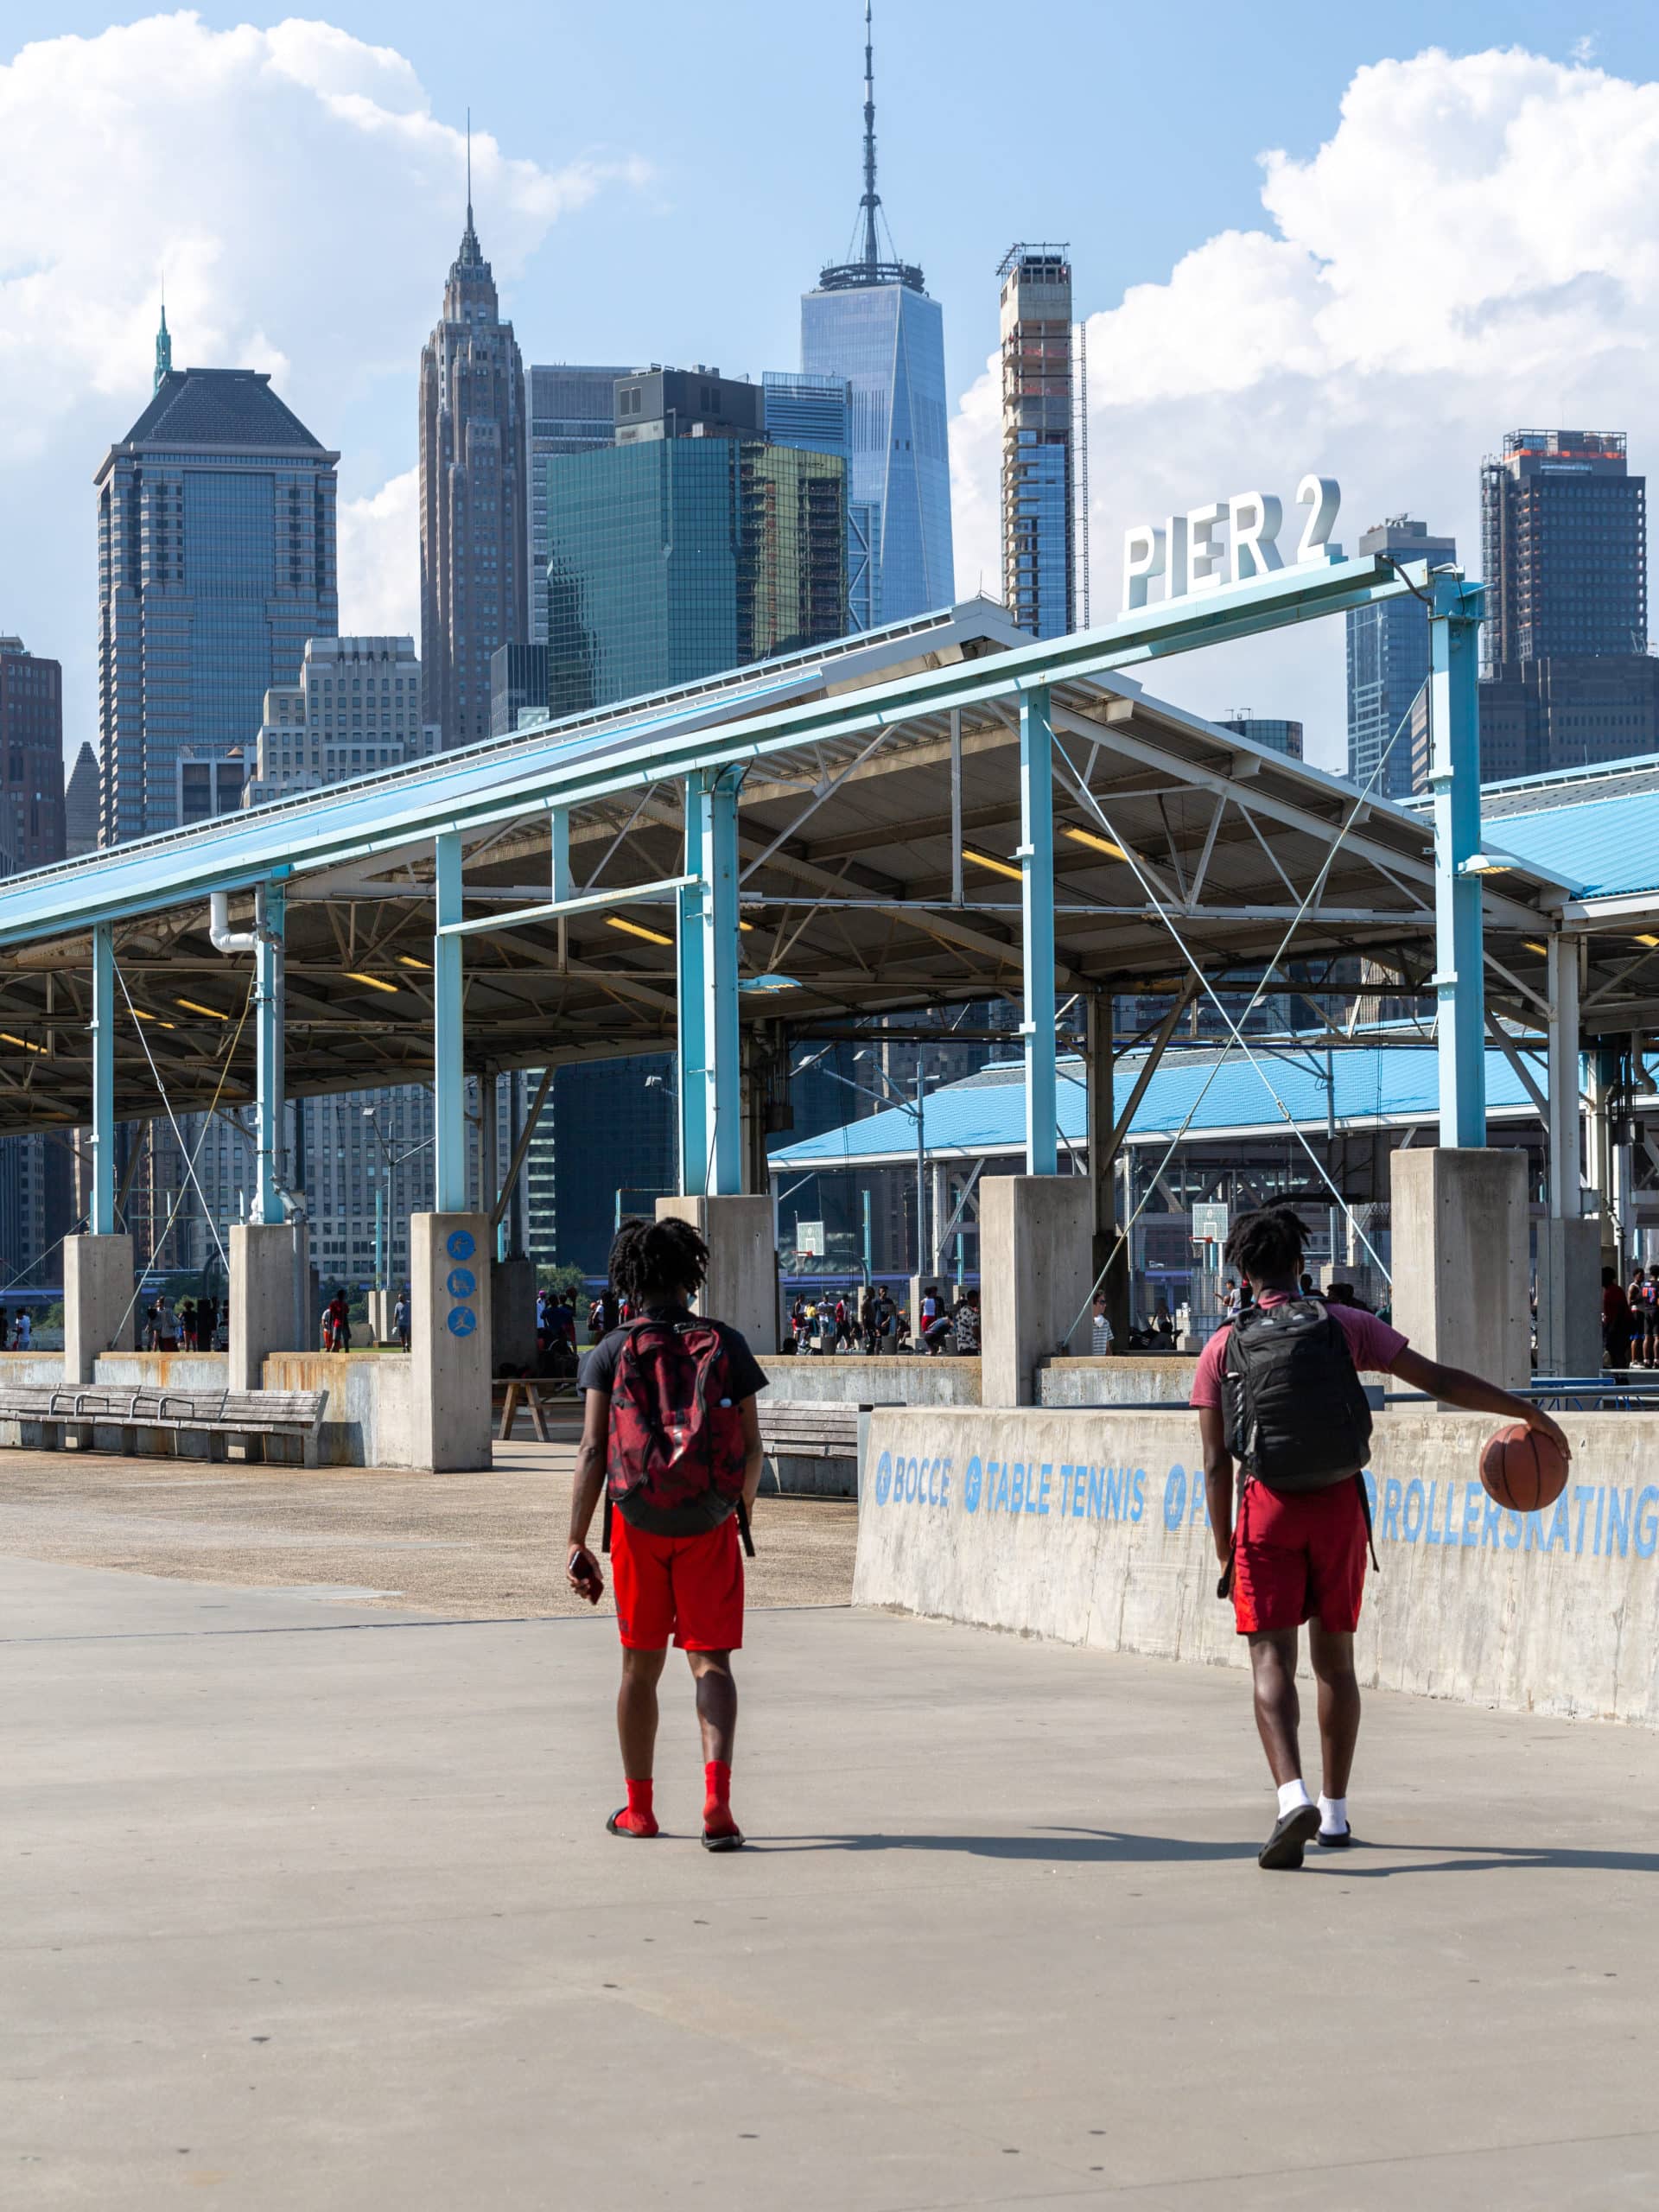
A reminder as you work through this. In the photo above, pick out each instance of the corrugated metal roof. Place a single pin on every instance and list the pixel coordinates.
(987, 1112)
(1603, 848)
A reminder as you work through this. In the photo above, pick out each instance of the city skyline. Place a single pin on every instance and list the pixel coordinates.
(1250, 311)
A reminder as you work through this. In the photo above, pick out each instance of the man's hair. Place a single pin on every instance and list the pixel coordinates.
(1270, 1242)
(653, 1259)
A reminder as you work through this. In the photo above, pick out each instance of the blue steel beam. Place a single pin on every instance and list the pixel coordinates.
(693, 1068)
(569, 769)
(268, 923)
(1454, 779)
(101, 1213)
(1036, 858)
(448, 1070)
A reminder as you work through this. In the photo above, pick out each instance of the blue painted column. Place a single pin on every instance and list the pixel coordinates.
(450, 1078)
(723, 1050)
(270, 926)
(1036, 858)
(1454, 779)
(690, 1085)
(101, 1212)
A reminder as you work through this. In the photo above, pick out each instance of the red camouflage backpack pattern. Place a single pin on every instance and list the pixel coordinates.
(675, 1433)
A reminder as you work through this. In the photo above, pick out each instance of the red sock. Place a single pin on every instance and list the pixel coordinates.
(717, 1799)
(638, 1818)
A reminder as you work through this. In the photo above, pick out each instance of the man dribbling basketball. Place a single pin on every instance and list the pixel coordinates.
(1277, 1392)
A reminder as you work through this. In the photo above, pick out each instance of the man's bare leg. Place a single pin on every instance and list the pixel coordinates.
(1331, 1652)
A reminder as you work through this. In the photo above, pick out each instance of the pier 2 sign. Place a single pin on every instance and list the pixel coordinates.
(1189, 553)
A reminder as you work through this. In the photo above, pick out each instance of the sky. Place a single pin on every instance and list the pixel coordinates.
(1315, 239)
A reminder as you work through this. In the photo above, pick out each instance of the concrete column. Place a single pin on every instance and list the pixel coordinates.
(1569, 1297)
(1036, 1237)
(269, 1266)
(449, 1342)
(1460, 1258)
(98, 1302)
(512, 1314)
(742, 1285)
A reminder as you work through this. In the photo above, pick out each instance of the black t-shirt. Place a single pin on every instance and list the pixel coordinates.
(598, 1372)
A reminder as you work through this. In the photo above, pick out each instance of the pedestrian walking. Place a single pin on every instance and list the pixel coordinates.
(1282, 1415)
(1615, 1322)
(670, 1433)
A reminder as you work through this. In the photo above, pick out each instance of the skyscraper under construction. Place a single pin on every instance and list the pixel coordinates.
(1039, 476)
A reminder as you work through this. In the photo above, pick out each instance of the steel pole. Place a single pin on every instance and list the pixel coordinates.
(1454, 778)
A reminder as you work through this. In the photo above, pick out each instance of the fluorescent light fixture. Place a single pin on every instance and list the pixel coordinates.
(1100, 844)
(374, 982)
(408, 960)
(211, 1012)
(767, 984)
(1542, 950)
(1488, 864)
(638, 929)
(1649, 941)
(984, 860)
(140, 1016)
(6, 1038)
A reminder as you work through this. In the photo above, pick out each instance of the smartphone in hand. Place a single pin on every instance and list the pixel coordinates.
(584, 1576)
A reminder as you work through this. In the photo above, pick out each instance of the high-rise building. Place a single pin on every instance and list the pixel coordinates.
(475, 546)
(674, 557)
(1388, 661)
(355, 708)
(815, 414)
(81, 804)
(518, 682)
(698, 403)
(1266, 729)
(31, 764)
(216, 563)
(572, 408)
(1564, 538)
(1039, 436)
(871, 322)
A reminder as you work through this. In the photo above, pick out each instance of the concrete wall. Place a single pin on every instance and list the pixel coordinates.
(850, 1379)
(449, 1356)
(366, 1421)
(1115, 1381)
(985, 1518)
(742, 1286)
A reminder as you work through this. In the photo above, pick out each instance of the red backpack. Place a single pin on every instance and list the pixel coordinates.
(675, 1432)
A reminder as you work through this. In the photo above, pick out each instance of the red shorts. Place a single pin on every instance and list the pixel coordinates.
(686, 1588)
(1298, 1558)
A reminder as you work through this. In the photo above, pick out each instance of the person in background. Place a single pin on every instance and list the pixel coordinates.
(1615, 1322)
(400, 1318)
(1643, 1299)
(936, 1324)
(1100, 1329)
(24, 1336)
(187, 1323)
(964, 1322)
(206, 1323)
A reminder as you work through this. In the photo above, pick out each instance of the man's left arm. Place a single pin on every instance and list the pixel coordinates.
(754, 1456)
(1217, 1478)
(581, 1568)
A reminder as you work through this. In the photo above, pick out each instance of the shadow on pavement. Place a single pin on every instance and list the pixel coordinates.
(1117, 1845)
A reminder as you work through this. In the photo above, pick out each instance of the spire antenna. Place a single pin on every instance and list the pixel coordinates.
(872, 199)
(469, 168)
(163, 343)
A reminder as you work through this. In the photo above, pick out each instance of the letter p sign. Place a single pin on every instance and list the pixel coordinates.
(1143, 559)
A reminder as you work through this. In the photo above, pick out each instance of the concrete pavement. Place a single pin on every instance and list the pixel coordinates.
(309, 1904)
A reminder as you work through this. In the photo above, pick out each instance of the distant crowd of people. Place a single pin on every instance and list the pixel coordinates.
(17, 1333)
(877, 1322)
(1630, 1318)
(191, 1325)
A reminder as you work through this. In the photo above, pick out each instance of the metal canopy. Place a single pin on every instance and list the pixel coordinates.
(878, 834)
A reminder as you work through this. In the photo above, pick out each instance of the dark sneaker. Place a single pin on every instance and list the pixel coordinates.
(1335, 1838)
(1292, 1834)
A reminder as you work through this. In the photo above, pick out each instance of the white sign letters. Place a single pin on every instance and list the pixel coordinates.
(1227, 542)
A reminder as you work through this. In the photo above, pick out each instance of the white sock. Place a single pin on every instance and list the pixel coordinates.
(1333, 1816)
(1291, 1795)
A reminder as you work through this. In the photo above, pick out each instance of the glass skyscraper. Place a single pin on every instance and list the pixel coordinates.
(1564, 538)
(673, 558)
(871, 322)
(216, 563)
(815, 414)
(1388, 661)
(1038, 434)
(572, 409)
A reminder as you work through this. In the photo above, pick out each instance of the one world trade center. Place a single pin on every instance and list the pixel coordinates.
(870, 323)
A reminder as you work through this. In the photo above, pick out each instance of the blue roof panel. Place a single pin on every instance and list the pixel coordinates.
(1221, 1092)
(1603, 848)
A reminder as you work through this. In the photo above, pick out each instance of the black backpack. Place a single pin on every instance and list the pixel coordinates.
(1297, 1413)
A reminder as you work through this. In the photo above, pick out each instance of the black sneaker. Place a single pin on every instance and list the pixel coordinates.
(1291, 1833)
(1335, 1838)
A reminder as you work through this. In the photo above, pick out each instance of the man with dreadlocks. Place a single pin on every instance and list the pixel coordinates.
(1278, 1392)
(670, 1431)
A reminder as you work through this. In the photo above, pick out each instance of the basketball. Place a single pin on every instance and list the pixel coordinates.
(1522, 1469)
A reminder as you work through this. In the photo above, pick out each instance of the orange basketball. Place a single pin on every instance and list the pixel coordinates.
(1523, 1470)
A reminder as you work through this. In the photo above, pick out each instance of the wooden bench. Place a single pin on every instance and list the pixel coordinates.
(800, 1430)
(60, 1416)
(531, 1393)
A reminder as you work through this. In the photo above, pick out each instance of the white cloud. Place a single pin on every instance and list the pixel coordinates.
(379, 550)
(300, 200)
(1470, 251)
